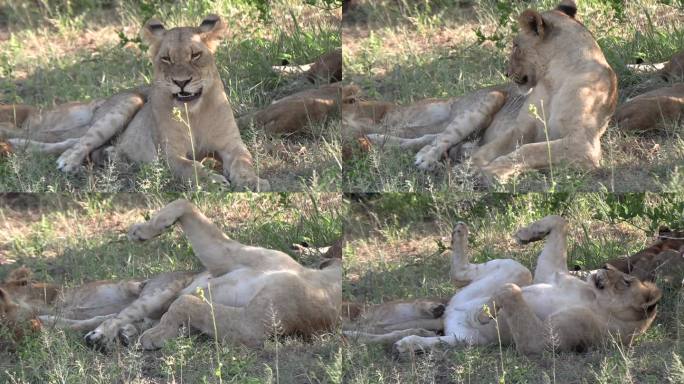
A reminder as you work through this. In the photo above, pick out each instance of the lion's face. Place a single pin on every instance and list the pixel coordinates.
(183, 59)
(625, 296)
(534, 45)
(20, 296)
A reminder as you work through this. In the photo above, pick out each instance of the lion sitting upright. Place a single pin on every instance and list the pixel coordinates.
(557, 69)
(184, 114)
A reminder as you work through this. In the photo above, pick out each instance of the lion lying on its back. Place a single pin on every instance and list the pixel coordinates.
(247, 288)
(185, 106)
(548, 310)
(558, 69)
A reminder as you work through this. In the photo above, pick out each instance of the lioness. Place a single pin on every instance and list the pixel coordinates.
(648, 110)
(185, 114)
(244, 290)
(552, 310)
(388, 322)
(557, 68)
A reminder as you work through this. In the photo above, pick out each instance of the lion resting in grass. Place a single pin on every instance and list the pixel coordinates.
(296, 112)
(558, 69)
(552, 310)
(185, 114)
(245, 294)
(666, 104)
(388, 322)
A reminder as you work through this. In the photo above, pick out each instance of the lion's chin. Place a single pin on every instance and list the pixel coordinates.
(187, 97)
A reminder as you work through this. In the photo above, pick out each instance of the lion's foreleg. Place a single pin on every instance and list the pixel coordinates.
(485, 278)
(109, 119)
(553, 257)
(388, 338)
(472, 119)
(238, 166)
(77, 325)
(216, 320)
(536, 156)
(140, 309)
(211, 246)
(529, 333)
(193, 171)
(49, 148)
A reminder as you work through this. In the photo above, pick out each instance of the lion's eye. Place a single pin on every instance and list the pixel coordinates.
(195, 55)
(166, 59)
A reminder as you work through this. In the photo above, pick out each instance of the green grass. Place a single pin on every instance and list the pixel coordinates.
(405, 51)
(56, 53)
(73, 239)
(395, 250)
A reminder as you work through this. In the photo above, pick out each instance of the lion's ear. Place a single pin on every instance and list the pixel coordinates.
(568, 7)
(152, 33)
(652, 296)
(531, 22)
(212, 30)
(20, 276)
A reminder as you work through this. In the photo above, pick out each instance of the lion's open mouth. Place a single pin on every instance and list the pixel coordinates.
(186, 97)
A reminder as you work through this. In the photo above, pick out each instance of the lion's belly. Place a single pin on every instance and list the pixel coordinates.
(136, 143)
(235, 289)
(545, 299)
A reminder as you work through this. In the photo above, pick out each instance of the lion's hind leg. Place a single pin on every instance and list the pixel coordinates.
(109, 119)
(48, 148)
(571, 329)
(388, 338)
(238, 324)
(481, 280)
(553, 258)
(156, 295)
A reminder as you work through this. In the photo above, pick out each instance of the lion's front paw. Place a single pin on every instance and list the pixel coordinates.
(427, 159)
(407, 344)
(98, 340)
(71, 160)
(142, 232)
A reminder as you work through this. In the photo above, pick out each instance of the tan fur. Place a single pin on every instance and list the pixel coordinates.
(576, 94)
(388, 322)
(144, 119)
(326, 68)
(650, 110)
(247, 292)
(550, 310)
(295, 113)
(23, 302)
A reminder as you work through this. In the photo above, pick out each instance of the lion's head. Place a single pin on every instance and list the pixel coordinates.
(21, 297)
(625, 297)
(542, 38)
(183, 59)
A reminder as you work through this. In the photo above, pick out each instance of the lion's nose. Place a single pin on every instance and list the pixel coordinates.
(182, 83)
